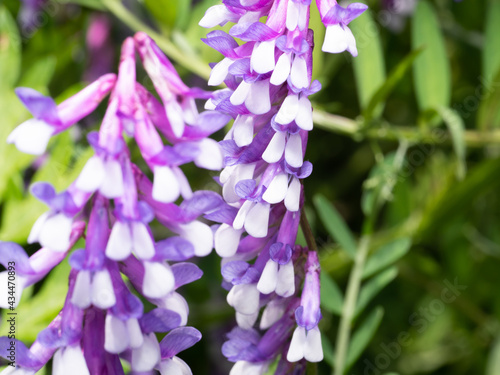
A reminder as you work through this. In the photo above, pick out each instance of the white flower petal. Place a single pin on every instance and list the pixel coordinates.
(134, 333)
(292, 15)
(102, 292)
(81, 292)
(293, 151)
(299, 75)
(269, 278)
(277, 189)
(258, 100)
(119, 244)
(288, 110)
(210, 156)
(158, 279)
(282, 69)
(275, 149)
(286, 280)
(304, 118)
(240, 94)
(200, 235)
(297, 345)
(142, 242)
(243, 130)
(166, 188)
(219, 72)
(244, 298)
(292, 199)
(335, 39)
(262, 59)
(271, 314)
(70, 360)
(56, 232)
(37, 227)
(147, 355)
(175, 302)
(246, 321)
(226, 240)
(112, 186)
(31, 137)
(257, 220)
(115, 335)
(92, 175)
(239, 220)
(313, 351)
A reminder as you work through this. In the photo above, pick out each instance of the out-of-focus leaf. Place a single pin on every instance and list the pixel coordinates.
(431, 69)
(169, 13)
(380, 96)
(10, 50)
(19, 216)
(491, 52)
(39, 75)
(386, 255)
(331, 296)
(363, 335)
(327, 350)
(335, 225)
(488, 116)
(93, 4)
(372, 287)
(369, 65)
(37, 312)
(493, 364)
(456, 128)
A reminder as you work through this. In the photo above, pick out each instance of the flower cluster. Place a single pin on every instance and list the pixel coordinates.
(269, 80)
(103, 321)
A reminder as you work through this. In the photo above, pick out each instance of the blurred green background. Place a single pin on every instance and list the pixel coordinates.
(406, 152)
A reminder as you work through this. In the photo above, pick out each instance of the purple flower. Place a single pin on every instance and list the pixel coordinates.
(339, 37)
(103, 321)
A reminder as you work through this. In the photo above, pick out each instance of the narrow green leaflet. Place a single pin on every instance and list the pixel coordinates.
(488, 116)
(456, 128)
(331, 296)
(431, 70)
(335, 225)
(177, 14)
(381, 95)
(491, 50)
(369, 66)
(386, 255)
(372, 287)
(493, 364)
(10, 50)
(363, 335)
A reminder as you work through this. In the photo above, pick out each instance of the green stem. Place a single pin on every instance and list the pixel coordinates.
(353, 286)
(389, 132)
(185, 59)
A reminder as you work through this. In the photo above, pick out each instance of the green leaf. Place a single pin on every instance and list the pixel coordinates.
(372, 287)
(363, 335)
(456, 127)
(491, 52)
(331, 296)
(493, 364)
(431, 70)
(335, 225)
(177, 14)
(93, 4)
(39, 75)
(10, 50)
(386, 255)
(488, 116)
(396, 75)
(327, 350)
(369, 66)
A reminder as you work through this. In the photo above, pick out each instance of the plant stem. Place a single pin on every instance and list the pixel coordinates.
(389, 132)
(183, 58)
(353, 286)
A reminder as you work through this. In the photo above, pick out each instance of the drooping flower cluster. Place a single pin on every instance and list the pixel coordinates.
(103, 321)
(269, 80)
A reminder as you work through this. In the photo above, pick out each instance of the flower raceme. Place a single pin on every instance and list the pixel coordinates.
(269, 81)
(103, 321)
